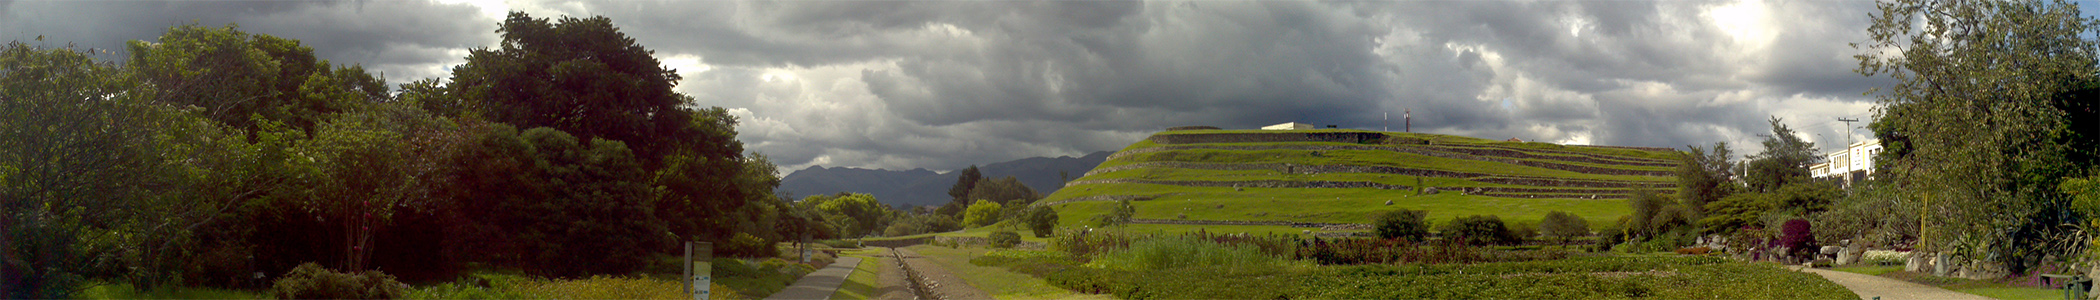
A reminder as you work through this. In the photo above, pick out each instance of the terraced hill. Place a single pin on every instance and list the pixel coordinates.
(1328, 177)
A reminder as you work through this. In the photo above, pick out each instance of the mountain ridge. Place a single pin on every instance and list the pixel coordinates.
(920, 186)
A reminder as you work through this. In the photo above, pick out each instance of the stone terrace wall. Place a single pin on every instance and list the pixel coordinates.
(1325, 169)
(1434, 152)
(1279, 137)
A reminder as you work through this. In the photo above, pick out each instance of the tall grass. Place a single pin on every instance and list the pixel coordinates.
(1171, 252)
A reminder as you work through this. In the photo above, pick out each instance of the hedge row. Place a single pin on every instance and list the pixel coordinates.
(1590, 278)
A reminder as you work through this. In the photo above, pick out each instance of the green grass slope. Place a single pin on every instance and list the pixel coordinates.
(1258, 179)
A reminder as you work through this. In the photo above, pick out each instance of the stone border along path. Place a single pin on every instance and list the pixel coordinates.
(1870, 287)
(820, 284)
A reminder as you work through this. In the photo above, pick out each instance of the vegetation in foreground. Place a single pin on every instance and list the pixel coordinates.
(1232, 267)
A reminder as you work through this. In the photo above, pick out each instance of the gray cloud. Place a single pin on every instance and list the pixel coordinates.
(407, 40)
(940, 85)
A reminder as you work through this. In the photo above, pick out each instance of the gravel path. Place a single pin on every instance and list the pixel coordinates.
(1870, 287)
(944, 285)
(820, 284)
(890, 283)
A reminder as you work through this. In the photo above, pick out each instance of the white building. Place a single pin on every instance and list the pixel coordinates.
(1289, 126)
(1853, 164)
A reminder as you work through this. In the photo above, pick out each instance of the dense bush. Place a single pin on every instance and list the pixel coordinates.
(981, 213)
(1041, 220)
(746, 245)
(1563, 226)
(1798, 239)
(1004, 239)
(311, 281)
(1476, 230)
(1656, 277)
(1402, 224)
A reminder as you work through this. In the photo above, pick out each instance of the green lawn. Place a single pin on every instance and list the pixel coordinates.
(862, 283)
(2015, 293)
(998, 282)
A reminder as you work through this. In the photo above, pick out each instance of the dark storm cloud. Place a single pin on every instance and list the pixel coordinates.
(405, 39)
(941, 85)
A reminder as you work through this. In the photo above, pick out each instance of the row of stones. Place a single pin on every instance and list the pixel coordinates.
(1362, 137)
(1353, 184)
(1325, 169)
(1593, 170)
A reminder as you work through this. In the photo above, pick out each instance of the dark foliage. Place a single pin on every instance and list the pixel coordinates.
(1477, 230)
(311, 281)
(1402, 224)
(1005, 239)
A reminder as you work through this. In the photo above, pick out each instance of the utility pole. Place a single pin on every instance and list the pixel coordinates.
(1848, 133)
(1408, 120)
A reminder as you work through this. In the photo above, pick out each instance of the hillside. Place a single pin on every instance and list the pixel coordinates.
(1274, 178)
(924, 187)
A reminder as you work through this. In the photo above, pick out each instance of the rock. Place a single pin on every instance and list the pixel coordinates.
(1388, 202)
(1917, 262)
(1429, 190)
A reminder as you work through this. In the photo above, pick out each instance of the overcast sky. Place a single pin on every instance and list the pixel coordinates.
(944, 84)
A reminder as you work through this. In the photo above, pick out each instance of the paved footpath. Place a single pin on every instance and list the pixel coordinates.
(1870, 287)
(820, 284)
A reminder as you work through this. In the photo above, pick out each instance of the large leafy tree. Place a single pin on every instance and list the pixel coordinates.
(585, 78)
(1975, 125)
(236, 77)
(1784, 161)
(580, 76)
(1704, 176)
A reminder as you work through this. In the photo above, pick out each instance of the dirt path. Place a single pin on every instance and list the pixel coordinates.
(939, 284)
(1870, 287)
(890, 281)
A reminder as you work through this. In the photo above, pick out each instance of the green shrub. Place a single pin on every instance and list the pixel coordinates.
(1564, 226)
(1476, 230)
(1402, 224)
(746, 245)
(1042, 220)
(1005, 239)
(311, 281)
(981, 213)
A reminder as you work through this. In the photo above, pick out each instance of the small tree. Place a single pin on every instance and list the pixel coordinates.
(1042, 220)
(981, 213)
(1117, 215)
(1564, 226)
(1476, 230)
(1402, 224)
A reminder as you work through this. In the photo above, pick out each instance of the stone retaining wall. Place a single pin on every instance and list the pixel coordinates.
(1253, 183)
(1437, 152)
(1327, 169)
(1239, 223)
(1278, 137)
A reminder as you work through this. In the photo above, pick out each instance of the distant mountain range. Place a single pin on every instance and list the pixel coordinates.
(924, 187)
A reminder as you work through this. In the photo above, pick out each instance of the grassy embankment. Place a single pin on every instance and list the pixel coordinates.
(1350, 205)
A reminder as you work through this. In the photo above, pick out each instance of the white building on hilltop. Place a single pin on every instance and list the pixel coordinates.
(1289, 126)
(1851, 165)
